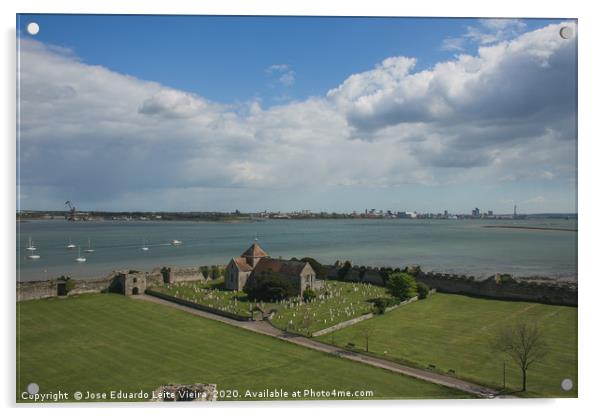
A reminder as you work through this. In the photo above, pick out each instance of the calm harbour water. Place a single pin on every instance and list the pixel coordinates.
(459, 246)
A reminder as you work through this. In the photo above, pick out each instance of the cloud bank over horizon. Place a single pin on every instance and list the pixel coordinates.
(501, 123)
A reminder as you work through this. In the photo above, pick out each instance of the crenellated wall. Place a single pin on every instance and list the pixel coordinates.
(36, 290)
(496, 287)
(158, 276)
(503, 287)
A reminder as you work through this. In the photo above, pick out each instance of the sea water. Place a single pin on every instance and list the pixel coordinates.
(448, 246)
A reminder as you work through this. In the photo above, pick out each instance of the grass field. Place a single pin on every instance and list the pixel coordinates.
(453, 332)
(109, 342)
(339, 301)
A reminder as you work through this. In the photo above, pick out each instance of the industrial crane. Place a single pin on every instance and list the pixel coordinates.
(71, 215)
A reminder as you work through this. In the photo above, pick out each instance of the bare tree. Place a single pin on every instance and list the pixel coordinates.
(523, 343)
(367, 331)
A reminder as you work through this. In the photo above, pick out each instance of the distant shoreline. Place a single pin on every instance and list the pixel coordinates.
(524, 227)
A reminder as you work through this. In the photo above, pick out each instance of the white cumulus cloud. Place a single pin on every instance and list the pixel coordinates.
(504, 115)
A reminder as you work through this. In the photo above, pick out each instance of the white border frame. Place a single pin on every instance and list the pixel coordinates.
(588, 199)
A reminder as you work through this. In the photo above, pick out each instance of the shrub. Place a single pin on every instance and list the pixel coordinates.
(270, 287)
(402, 285)
(381, 304)
(308, 295)
(423, 290)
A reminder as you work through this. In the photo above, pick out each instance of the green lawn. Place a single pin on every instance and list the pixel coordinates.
(453, 332)
(337, 302)
(108, 342)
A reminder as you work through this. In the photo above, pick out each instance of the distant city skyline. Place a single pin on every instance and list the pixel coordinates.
(284, 114)
(475, 212)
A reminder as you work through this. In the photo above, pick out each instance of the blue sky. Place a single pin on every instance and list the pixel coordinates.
(202, 94)
(225, 58)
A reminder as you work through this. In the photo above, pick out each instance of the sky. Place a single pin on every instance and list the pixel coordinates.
(208, 113)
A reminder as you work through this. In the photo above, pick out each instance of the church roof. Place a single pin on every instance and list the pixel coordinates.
(285, 267)
(254, 251)
(241, 264)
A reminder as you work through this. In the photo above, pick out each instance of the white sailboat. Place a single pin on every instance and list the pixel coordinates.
(144, 247)
(175, 242)
(89, 249)
(79, 258)
(70, 245)
(33, 256)
(30, 246)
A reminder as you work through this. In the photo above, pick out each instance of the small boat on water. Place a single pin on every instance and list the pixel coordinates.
(144, 247)
(71, 245)
(79, 258)
(175, 242)
(30, 246)
(89, 249)
(33, 256)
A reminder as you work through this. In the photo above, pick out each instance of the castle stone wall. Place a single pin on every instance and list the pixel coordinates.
(496, 287)
(509, 289)
(49, 288)
(36, 290)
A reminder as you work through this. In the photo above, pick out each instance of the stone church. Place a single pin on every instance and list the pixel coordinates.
(254, 262)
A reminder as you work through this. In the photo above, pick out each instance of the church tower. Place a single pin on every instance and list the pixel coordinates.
(253, 254)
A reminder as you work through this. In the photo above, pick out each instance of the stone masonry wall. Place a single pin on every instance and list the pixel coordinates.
(36, 290)
(500, 288)
(48, 288)
(496, 287)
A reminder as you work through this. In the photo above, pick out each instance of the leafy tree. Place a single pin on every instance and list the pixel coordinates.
(205, 271)
(384, 273)
(362, 273)
(503, 278)
(317, 266)
(412, 270)
(402, 285)
(523, 343)
(423, 290)
(342, 272)
(215, 272)
(165, 272)
(270, 287)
